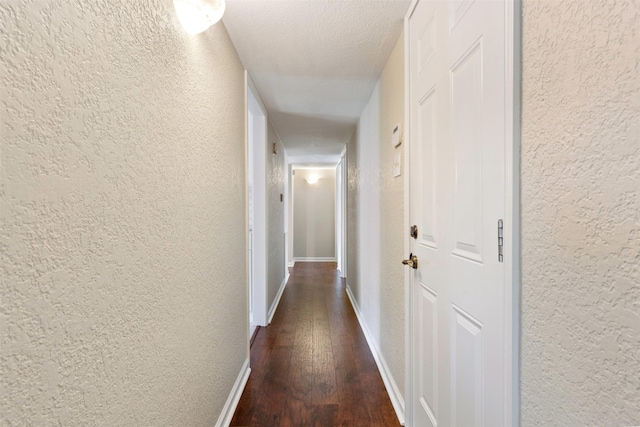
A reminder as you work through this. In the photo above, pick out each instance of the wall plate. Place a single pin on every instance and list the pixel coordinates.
(396, 138)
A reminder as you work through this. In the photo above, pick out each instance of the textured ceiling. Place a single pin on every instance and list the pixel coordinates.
(314, 62)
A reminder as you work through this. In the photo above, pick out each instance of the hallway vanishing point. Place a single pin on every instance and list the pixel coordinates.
(312, 366)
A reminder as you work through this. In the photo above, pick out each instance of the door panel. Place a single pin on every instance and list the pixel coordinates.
(466, 117)
(428, 347)
(458, 9)
(427, 43)
(466, 370)
(427, 153)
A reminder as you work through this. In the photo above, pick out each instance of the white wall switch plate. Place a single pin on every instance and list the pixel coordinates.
(396, 163)
(396, 138)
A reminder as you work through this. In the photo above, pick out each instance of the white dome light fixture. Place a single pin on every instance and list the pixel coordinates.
(196, 16)
(312, 179)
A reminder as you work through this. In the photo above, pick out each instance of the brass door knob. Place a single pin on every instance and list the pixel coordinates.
(412, 261)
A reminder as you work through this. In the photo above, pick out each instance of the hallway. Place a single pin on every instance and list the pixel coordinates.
(312, 364)
(127, 260)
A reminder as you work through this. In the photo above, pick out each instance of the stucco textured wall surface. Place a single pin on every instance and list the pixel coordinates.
(581, 213)
(122, 202)
(275, 187)
(376, 217)
(353, 213)
(392, 326)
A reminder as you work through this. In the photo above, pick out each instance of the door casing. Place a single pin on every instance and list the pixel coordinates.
(256, 141)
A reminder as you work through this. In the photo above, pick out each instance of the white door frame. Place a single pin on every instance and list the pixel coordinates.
(288, 216)
(256, 146)
(340, 205)
(315, 162)
(286, 213)
(342, 214)
(338, 218)
(512, 215)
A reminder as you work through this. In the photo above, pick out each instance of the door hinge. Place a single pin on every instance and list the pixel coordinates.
(500, 240)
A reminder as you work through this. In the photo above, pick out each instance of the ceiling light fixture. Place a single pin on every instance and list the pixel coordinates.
(198, 15)
(312, 179)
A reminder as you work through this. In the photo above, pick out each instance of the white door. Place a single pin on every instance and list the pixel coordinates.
(460, 324)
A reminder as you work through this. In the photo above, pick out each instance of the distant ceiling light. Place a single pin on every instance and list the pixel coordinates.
(312, 179)
(198, 15)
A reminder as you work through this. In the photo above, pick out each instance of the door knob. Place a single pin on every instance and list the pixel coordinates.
(412, 261)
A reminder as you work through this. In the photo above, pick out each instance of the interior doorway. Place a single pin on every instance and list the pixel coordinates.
(256, 207)
(302, 167)
(314, 213)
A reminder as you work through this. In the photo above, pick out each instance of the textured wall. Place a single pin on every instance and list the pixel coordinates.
(275, 186)
(376, 216)
(122, 216)
(581, 213)
(353, 213)
(314, 214)
(392, 336)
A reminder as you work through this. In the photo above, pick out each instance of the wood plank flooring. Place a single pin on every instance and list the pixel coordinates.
(312, 366)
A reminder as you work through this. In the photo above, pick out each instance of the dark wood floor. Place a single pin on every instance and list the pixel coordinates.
(312, 366)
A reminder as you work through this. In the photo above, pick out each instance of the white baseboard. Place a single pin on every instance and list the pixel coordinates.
(292, 263)
(315, 259)
(276, 300)
(234, 397)
(389, 383)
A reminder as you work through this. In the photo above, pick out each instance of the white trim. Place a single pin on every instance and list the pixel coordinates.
(343, 206)
(389, 383)
(408, 319)
(224, 420)
(313, 159)
(256, 93)
(336, 208)
(259, 244)
(246, 209)
(340, 225)
(513, 73)
(276, 300)
(314, 259)
(291, 264)
(323, 166)
(288, 215)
